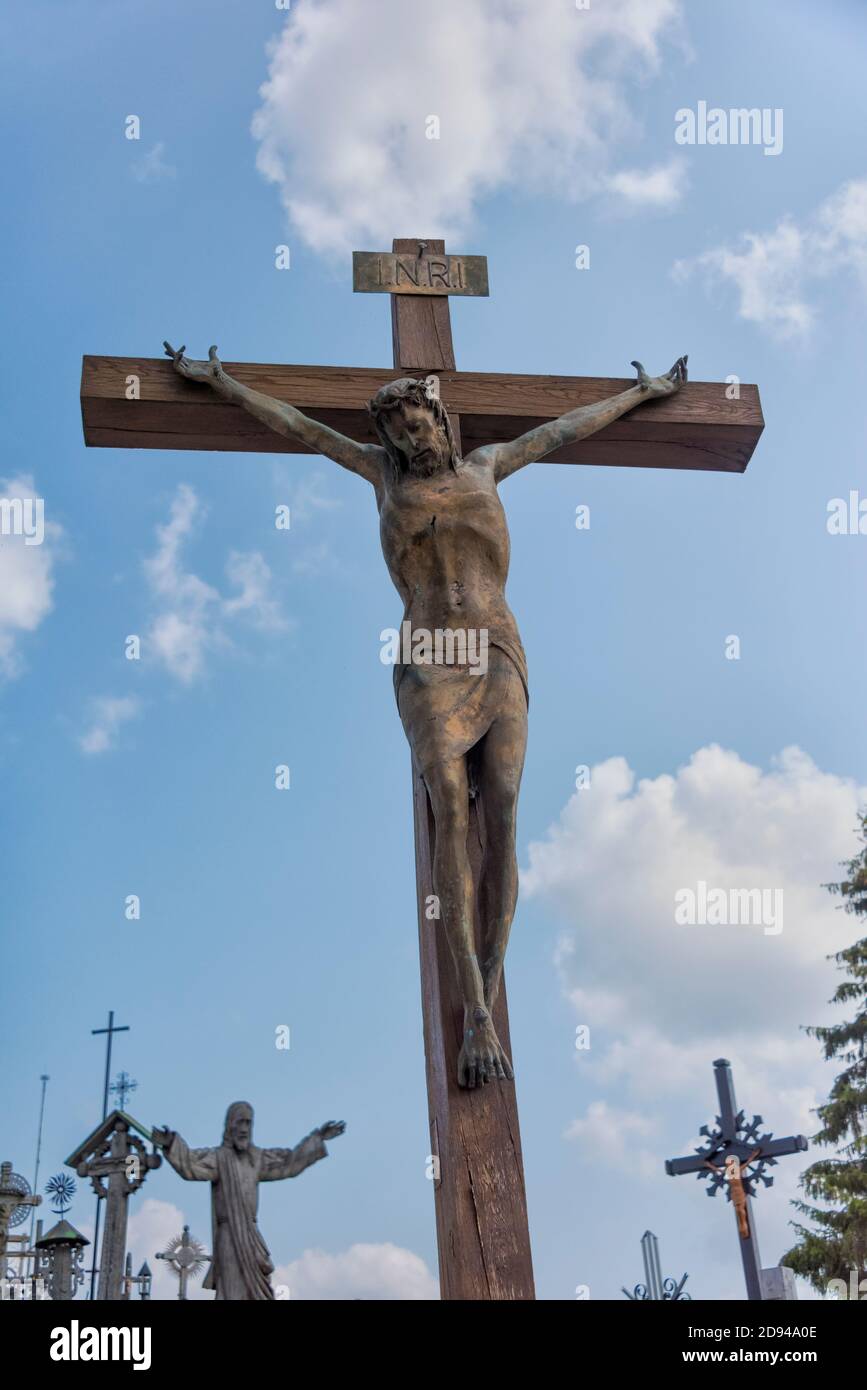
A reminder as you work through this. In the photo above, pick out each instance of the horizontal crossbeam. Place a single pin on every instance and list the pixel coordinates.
(142, 403)
(775, 1148)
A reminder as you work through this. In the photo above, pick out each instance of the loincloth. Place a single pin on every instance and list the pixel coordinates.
(446, 709)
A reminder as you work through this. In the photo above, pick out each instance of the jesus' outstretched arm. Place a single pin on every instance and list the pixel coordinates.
(578, 424)
(288, 1163)
(196, 1165)
(279, 416)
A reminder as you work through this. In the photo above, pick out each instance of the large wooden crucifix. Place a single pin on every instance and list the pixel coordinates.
(435, 453)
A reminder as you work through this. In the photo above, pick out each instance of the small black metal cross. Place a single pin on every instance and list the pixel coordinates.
(731, 1149)
(122, 1088)
(110, 1030)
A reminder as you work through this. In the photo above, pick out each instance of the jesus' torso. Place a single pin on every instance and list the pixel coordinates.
(446, 544)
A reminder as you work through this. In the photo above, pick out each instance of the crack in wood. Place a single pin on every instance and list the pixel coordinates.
(482, 1253)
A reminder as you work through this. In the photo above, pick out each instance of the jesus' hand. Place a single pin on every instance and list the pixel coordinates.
(662, 385)
(162, 1138)
(210, 371)
(331, 1129)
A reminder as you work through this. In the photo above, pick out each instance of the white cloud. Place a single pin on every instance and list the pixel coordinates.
(315, 560)
(251, 575)
(152, 167)
(193, 617)
(108, 714)
(308, 500)
(306, 496)
(662, 1001)
(774, 273)
(369, 1272)
(613, 1137)
(183, 630)
(26, 572)
(621, 850)
(528, 96)
(650, 188)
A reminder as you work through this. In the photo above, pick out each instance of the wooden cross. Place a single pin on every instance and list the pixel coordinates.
(731, 1150)
(481, 1215)
(115, 1153)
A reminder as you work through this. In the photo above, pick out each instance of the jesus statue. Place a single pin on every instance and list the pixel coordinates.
(446, 544)
(240, 1264)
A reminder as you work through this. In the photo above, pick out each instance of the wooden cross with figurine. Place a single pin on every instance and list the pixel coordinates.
(435, 443)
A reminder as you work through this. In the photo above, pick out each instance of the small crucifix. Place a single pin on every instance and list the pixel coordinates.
(731, 1149)
(435, 444)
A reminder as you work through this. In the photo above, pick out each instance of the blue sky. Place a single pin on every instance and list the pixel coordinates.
(156, 778)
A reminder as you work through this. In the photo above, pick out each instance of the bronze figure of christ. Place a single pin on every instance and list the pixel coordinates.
(446, 544)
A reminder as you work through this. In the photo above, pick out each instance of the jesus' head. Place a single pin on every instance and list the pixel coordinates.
(238, 1129)
(414, 428)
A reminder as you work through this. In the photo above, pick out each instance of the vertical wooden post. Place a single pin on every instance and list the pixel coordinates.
(481, 1207)
(111, 1259)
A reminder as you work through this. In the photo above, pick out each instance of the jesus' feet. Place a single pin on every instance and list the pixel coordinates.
(481, 1057)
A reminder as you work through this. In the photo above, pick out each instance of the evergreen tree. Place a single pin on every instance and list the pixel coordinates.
(838, 1243)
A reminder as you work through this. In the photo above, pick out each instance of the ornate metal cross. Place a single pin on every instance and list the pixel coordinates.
(187, 1257)
(15, 1202)
(122, 1087)
(735, 1156)
(655, 1288)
